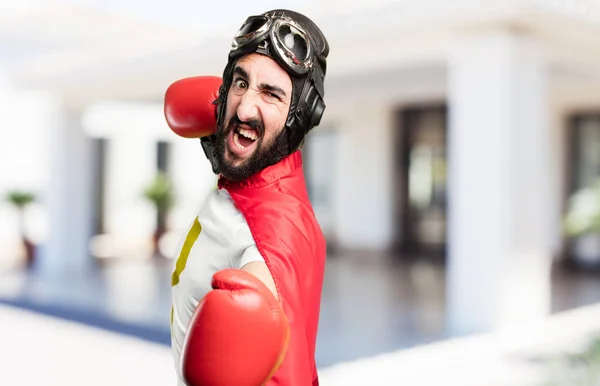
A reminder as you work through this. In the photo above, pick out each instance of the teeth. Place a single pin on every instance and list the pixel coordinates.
(236, 141)
(250, 134)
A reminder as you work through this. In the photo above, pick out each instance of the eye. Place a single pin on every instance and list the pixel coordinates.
(273, 95)
(241, 84)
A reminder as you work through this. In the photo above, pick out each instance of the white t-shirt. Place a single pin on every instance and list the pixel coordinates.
(219, 238)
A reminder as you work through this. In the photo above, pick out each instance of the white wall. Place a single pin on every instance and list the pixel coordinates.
(364, 201)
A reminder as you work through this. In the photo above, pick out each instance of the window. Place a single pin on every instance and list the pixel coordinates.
(163, 156)
(320, 157)
(585, 151)
(99, 148)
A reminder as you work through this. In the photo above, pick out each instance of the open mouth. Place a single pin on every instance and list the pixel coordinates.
(244, 137)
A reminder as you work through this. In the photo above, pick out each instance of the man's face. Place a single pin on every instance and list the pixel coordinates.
(258, 103)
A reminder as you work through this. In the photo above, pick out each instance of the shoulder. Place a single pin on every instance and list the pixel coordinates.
(219, 208)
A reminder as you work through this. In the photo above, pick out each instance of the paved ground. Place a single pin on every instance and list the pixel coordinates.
(399, 306)
(370, 306)
(531, 356)
(42, 350)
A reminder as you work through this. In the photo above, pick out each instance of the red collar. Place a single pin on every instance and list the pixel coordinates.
(268, 175)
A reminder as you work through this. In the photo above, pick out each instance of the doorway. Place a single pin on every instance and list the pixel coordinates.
(421, 182)
(583, 171)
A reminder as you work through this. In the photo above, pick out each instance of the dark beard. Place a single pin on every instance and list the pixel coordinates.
(266, 154)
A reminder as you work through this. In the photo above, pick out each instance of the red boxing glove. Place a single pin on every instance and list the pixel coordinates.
(238, 334)
(189, 108)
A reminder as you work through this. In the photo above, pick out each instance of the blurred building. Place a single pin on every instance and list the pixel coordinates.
(454, 130)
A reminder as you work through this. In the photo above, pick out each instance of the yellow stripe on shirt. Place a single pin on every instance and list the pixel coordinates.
(190, 239)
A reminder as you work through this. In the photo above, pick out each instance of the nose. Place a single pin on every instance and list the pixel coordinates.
(247, 109)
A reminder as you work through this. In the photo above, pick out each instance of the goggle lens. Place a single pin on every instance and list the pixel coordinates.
(294, 41)
(251, 26)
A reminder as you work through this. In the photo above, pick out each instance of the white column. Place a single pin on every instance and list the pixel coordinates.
(499, 249)
(68, 196)
(10, 243)
(23, 158)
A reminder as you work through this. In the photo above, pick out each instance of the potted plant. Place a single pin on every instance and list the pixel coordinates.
(21, 199)
(160, 193)
(582, 226)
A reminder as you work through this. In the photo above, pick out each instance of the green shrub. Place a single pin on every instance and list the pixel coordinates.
(578, 369)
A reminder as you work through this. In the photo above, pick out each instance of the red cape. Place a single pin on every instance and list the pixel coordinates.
(277, 208)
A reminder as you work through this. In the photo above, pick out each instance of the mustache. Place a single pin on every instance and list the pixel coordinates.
(253, 124)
